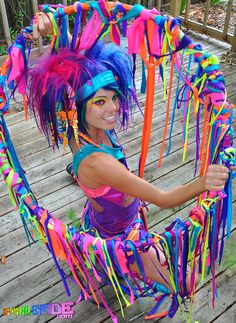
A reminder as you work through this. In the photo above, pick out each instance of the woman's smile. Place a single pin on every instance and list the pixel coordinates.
(111, 117)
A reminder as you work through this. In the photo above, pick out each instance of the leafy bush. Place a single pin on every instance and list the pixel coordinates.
(3, 50)
(183, 4)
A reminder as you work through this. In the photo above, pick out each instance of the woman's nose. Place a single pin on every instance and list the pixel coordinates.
(112, 106)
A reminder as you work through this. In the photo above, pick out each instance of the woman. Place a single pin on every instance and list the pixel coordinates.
(86, 95)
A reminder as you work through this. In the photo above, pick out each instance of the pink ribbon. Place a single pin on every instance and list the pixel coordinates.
(17, 69)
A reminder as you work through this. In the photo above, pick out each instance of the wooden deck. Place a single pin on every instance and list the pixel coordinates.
(29, 276)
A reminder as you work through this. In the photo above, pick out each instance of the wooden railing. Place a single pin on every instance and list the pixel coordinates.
(173, 7)
(204, 28)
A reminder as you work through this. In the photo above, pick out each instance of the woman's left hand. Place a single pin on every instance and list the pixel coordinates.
(41, 25)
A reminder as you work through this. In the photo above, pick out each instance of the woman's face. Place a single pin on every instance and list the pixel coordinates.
(102, 110)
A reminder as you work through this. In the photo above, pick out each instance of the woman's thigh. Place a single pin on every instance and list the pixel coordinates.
(155, 269)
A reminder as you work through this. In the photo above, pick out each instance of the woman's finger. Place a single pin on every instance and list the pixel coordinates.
(215, 182)
(41, 26)
(216, 188)
(218, 168)
(219, 176)
(35, 28)
(47, 23)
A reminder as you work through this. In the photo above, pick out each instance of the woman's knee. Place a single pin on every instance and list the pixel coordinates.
(195, 282)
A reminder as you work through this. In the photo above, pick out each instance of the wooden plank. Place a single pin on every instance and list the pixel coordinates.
(16, 117)
(36, 281)
(21, 127)
(228, 316)
(22, 262)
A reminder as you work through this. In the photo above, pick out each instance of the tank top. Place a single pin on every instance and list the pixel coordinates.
(114, 218)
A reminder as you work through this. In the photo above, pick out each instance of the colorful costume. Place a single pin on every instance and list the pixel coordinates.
(58, 88)
(116, 219)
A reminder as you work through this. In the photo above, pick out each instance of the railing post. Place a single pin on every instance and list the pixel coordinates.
(208, 4)
(150, 4)
(227, 19)
(175, 7)
(5, 22)
(35, 9)
(186, 11)
(233, 48)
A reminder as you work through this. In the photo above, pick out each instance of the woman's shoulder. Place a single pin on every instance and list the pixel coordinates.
(92, 154)
(86, 150)
(95, 153)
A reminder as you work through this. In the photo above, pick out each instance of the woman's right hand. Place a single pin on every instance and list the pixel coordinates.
(216, 177)
(42, 25)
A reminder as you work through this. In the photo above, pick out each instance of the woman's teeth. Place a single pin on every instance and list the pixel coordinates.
(111, 117)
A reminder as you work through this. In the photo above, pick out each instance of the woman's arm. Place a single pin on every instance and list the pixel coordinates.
(103, 169)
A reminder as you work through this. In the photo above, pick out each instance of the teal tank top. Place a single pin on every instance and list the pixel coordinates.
(116, 151)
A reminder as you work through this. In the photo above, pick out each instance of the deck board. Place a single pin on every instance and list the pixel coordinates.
(29, 276)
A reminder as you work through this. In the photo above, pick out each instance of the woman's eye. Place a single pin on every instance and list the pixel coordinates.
(115, 97)
(99, 102)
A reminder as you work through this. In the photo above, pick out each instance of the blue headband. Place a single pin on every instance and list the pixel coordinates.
(96, 83)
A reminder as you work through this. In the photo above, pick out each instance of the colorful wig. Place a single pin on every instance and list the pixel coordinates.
(54, 85)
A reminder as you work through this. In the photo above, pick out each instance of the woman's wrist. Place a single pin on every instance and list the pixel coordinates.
(202, 184)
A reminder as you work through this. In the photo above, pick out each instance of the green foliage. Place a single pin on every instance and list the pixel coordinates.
(3, 50)
(13, 33)
(183, 4)
(48, 38)
(73, 218)
(71, 18)
(182, 7)
(19, 21)
(214, 2)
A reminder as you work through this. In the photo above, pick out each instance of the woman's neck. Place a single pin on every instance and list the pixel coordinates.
(97, 135)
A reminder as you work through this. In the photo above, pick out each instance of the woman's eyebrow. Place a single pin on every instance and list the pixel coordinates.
(100, 97)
